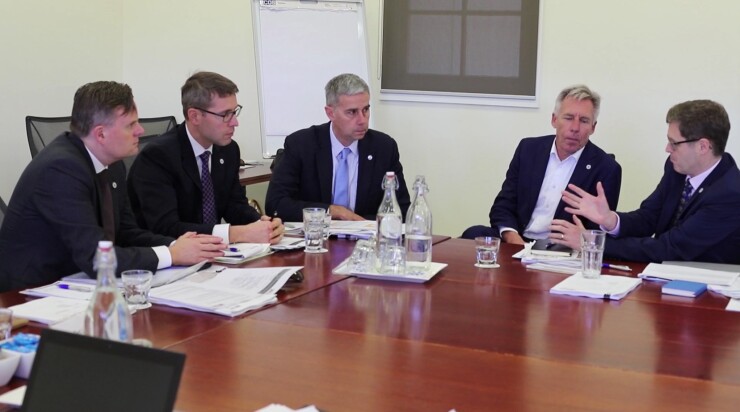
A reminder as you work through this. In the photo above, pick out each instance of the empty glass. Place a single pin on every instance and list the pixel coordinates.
(363, 257)
(313, 229)
(136, 286)
(486, 251)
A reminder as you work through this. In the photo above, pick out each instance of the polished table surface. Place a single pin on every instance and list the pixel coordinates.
(257, 174)
(469, 339)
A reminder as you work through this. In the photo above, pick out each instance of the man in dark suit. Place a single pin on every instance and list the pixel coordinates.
(72, 195)
(529, 199)
(692, 214)
(339, 165)
(173, 190)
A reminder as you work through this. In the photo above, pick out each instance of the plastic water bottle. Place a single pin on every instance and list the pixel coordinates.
(108, 316)
(389, 220)
(419, 230)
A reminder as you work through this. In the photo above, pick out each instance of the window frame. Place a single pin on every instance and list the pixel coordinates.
(453, 97)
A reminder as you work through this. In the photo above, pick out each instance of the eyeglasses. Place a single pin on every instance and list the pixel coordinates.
(674, 145)
(227, 116)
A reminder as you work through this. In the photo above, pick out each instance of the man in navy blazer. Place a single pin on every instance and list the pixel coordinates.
(56, 215)
(693, 214)
(529, 199)
(166, 182)
(307, 174)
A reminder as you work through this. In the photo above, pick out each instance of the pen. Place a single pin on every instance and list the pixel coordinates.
(233, 249)
(617, 267)
(74, 287)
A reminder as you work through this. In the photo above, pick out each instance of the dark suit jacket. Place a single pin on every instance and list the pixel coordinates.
(708, 229)
(165, 190)
(515, 203)
(53, 224)
(303, 178)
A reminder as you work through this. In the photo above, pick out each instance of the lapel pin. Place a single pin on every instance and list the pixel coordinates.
(369, 157)
(221, 161)
(114, 185)
(588, 167)
(701, 189)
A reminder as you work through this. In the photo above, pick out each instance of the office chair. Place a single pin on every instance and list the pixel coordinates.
(42, 130)
(153, 127)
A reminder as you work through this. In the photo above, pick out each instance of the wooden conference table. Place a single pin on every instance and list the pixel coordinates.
(258, 173)
(470, 339)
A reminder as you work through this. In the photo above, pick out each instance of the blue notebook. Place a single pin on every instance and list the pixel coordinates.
(684, 288)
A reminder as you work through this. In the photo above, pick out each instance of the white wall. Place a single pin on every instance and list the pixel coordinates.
(49, 49)
(642, 57)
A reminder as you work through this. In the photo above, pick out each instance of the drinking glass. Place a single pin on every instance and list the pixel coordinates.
(486, 251)
(313, 229)
(592, 253)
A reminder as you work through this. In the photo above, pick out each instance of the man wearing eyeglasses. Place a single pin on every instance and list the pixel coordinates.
(693, 214)
(188, 178)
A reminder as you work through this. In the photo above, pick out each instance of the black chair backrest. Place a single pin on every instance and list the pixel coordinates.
(153, 127)
(3, 210)
(42, 130)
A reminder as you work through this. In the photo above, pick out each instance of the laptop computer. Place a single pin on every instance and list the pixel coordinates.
(79, 373)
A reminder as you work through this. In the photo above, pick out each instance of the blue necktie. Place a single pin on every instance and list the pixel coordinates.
(341, 180)
(685, 195)
(209, 202)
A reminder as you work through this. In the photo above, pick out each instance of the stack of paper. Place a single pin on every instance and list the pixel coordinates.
(360, 229)
(228, 292)
(50, 310)
(605, 287)
(243, 252)
(656, 271)
(289, 243)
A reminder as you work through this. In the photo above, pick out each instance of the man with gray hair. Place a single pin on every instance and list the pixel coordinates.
(520, 213)
(338, 165)
(693, 212)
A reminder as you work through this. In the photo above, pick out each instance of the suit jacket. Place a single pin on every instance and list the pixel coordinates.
(515, 203)
(165, 190)
(53, 224)
(303, 178)
(708, 229)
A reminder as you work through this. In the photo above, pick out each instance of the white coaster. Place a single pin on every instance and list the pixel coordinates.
(322, 250)
(482, 266)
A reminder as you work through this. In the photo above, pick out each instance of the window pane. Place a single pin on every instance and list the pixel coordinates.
(492, 46)
(498, 5)
(437, 5)
(434, 45)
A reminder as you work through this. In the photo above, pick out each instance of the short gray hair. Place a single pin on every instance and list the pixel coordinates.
(579, 92)
(346, 84)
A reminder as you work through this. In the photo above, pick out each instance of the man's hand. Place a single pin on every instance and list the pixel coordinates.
(565, 233)
(510, 236)
(342, 213)
(190, 249)
(265, 230)
(593, 208)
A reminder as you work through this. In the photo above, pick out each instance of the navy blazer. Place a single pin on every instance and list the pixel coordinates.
(517, 199)
(708, 229)
(303, 178)
(165, 190)
(53, 223)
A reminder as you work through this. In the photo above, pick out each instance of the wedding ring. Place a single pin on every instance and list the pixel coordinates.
(562, 236)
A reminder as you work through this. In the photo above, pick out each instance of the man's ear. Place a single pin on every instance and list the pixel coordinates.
(98, 132)
(329, 112)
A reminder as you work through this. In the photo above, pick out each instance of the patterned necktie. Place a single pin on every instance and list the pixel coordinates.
(341, 180)
(106, 205)
(685, 195)
(206, 183)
